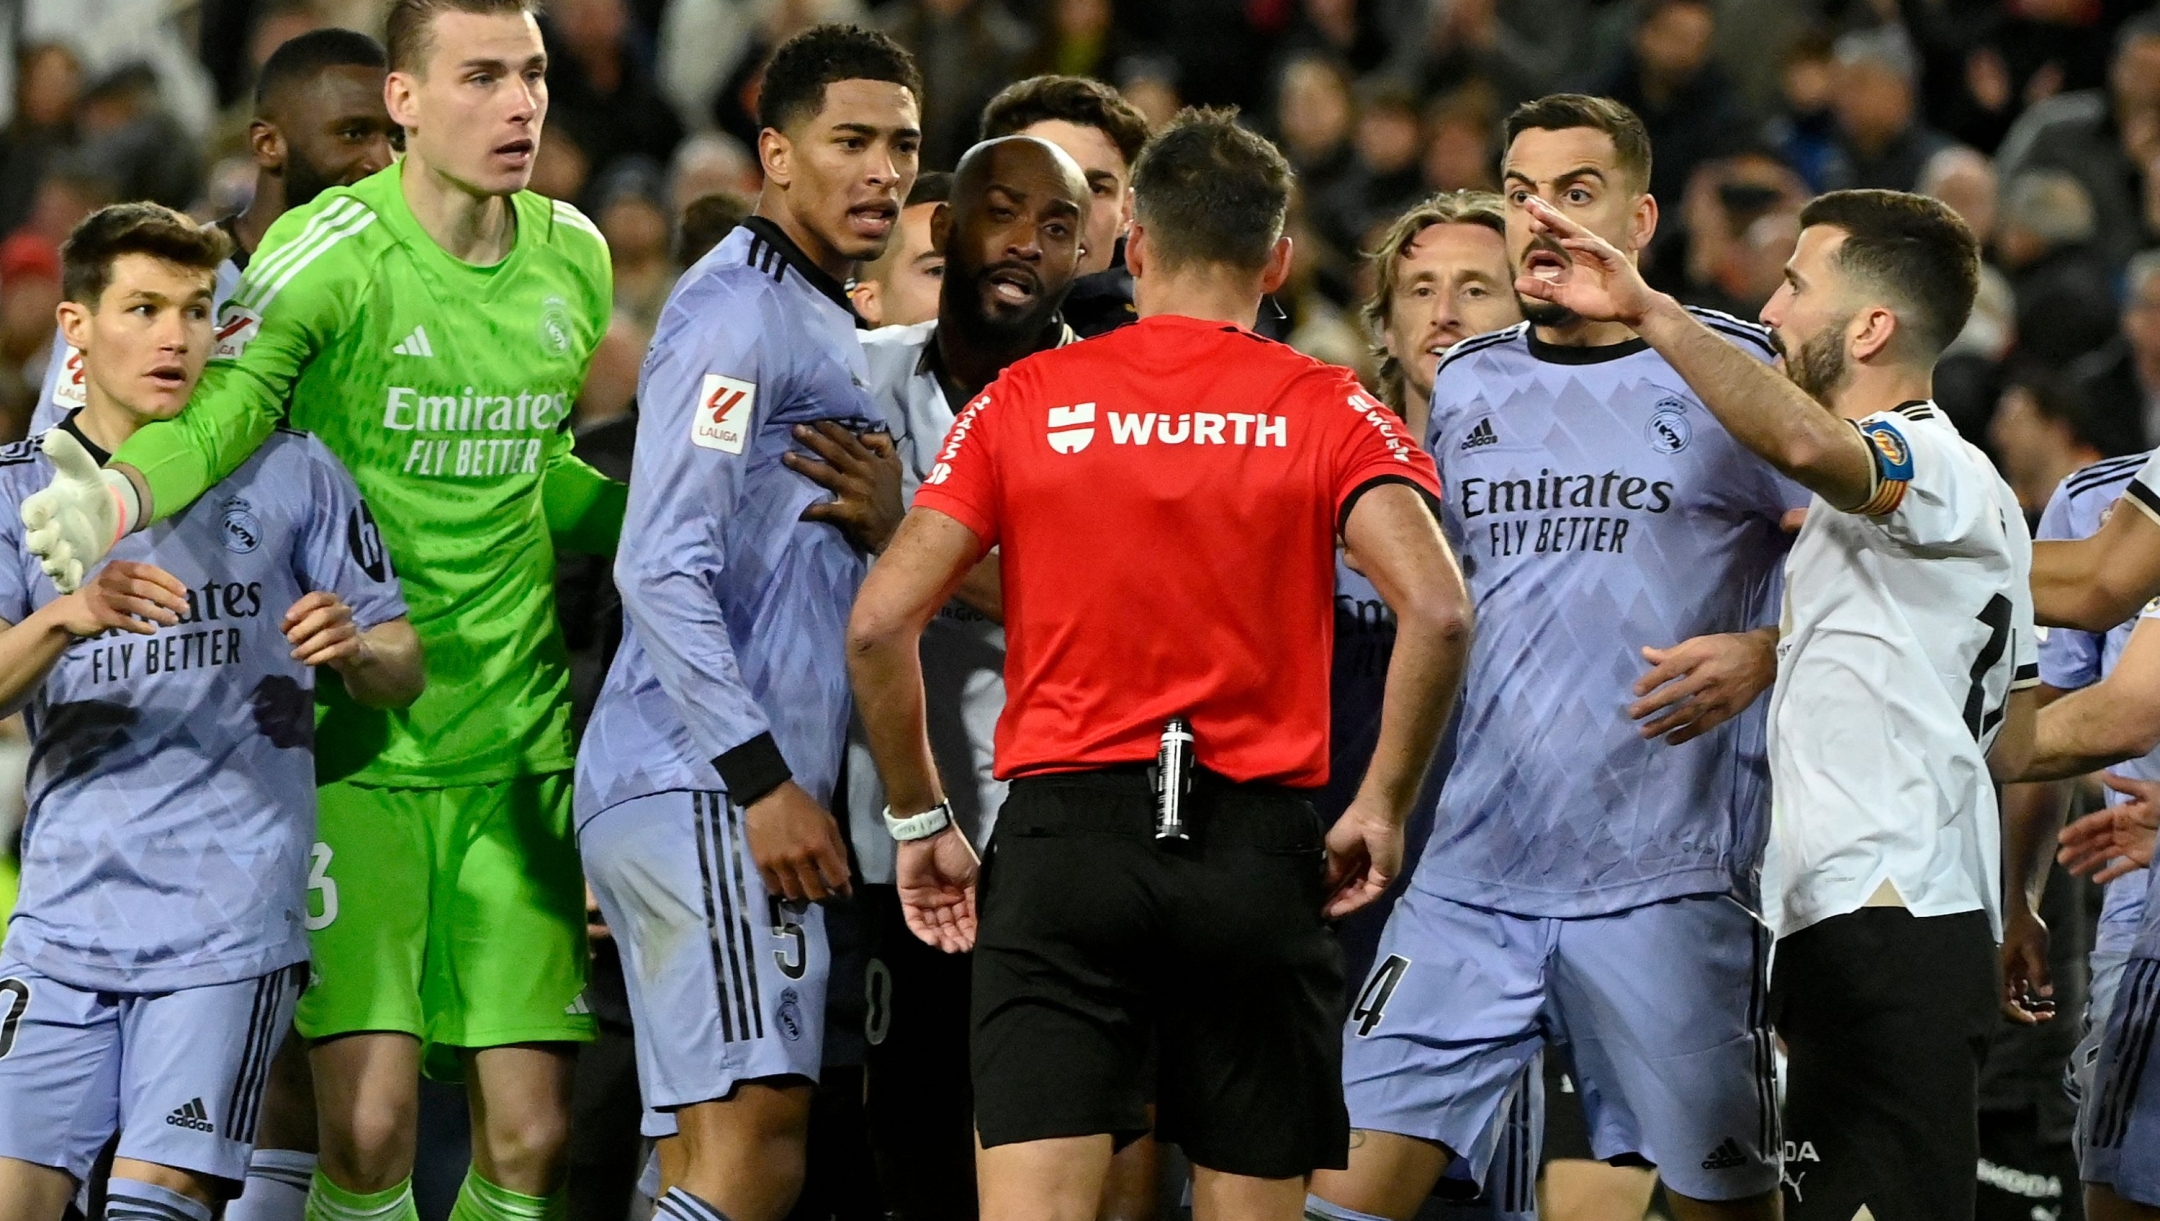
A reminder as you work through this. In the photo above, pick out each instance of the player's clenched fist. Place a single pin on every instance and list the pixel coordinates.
(797, 845)
(320, 629)
(79, 516)
(133, 597)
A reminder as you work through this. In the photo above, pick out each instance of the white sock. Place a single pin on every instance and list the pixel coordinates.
(276, 1188)
(1317, 1209)
(130, 1200)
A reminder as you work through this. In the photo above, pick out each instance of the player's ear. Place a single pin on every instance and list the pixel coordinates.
(399, 95)
(1278, 265)
(865, 297)
(940, 227)
(267, 145)
(1642, 225)
(1136, 253)
(1871, 332)
(74, 323)
(775, 153)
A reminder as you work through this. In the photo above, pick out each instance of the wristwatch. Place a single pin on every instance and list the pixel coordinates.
(921, 826)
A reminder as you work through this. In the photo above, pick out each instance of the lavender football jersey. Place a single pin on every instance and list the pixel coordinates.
(1598, 508)
(172, 776)
(2071, 659)
(734, 609)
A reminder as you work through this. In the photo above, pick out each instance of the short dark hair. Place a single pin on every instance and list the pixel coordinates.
(1914, 250)
(409, 28)
(1561, 111)
(932, 186)
(1209, 191)
(87, 257)
(1080, 100)
(300, 60)
(799, 71)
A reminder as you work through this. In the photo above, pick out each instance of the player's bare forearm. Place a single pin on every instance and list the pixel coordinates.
(2095, 583)
(28, 652)
(925, 563)
(123, 595)
(2032, 816)
(2115, 719)
(1762, 408)
(1395, 541)
(983, 589)
(2011, 754)
(388, 669)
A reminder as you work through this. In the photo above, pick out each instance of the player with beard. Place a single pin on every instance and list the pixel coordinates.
(319, 123)
(1904, 691)
(1579, 864)
(1013, 238)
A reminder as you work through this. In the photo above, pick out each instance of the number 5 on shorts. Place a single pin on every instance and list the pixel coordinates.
(322, 889)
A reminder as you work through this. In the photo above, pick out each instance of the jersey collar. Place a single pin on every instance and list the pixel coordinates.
(1561, 354)
(932, 360)
(772, 235)
(75, 430)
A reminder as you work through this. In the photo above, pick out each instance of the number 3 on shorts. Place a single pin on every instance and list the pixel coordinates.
(322, 905)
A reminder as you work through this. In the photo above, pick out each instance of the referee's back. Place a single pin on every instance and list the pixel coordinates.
(1166, 498)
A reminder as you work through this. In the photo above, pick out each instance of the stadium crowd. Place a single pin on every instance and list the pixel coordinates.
(2037, 122)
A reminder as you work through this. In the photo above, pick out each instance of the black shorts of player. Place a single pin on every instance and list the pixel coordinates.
(1100, 950)
(1886, 1018)
(920, 1110)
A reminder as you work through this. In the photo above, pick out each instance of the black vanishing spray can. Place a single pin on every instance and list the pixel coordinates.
(1173, 778)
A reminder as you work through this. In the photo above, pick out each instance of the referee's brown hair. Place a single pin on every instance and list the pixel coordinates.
(1208, 191)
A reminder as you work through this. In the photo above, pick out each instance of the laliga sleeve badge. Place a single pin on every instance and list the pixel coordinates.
(234, 331)
(722, 418)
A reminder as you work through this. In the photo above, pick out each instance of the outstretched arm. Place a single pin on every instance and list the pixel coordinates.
(2097, 582)
(1760, 407)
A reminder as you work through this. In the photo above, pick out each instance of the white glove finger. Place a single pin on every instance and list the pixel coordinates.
(42, 539)
(69, 457)
(37, 510)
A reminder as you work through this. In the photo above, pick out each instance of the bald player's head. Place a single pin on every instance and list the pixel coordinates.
(320, 121)
(1012, 235)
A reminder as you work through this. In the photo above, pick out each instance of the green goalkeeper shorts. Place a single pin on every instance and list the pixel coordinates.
(456, 915)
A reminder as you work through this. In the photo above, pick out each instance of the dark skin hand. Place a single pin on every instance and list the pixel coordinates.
(862, 471)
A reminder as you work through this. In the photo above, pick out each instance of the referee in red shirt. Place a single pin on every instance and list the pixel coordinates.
(1165, 501)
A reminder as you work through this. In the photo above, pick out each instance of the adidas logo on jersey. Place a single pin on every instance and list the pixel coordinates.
(1481, 435)
(1726, 1156)
(415, 344)
(192, 1116)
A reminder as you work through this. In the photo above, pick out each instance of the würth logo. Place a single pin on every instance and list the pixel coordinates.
(722, 418)
(1200, 428)
(1481, 435)
(1071, 428)
(192, 1116)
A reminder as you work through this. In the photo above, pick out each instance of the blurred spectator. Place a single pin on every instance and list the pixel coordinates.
(709, 164)
(971, 48)
(129, 138)
(1964, 179)
(1743, 220)
(2064, 287)
(2104, 137)
(48, 84)
(600, 85)
(611, 380)
(1079, 38)
(1805, 129)
(1150, 83)
(705, 220)
(70, 191)
(560, 168)
(1346, 30)
(1314, 115)
(630, 206)
(108, 35)
(2044, 431)
(1460, 149)
(2122, 379)
(29, 295)
(1882, 139)
(900, 287)
(1692, 111)
(1388, 175)
(1521, 48)
(711, 52)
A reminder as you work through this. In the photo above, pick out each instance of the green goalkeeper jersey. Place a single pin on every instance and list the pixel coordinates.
(445, 388)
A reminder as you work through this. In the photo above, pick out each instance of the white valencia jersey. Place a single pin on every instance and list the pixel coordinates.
(1907, 623)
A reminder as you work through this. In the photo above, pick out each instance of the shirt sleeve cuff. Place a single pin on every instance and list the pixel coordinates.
(2027, 675)
(2144, 490)
(752, 770)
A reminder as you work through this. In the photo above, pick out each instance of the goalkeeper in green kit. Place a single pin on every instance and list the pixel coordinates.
(432, 324)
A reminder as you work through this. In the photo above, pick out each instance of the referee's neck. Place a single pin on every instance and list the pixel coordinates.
(1211, 296)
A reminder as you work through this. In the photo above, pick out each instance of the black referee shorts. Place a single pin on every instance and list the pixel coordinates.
(1100, 953)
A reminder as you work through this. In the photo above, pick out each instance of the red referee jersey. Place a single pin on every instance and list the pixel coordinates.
(1166, 500)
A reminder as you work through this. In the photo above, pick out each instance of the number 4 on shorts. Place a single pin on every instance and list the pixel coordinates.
(1372, 1001)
